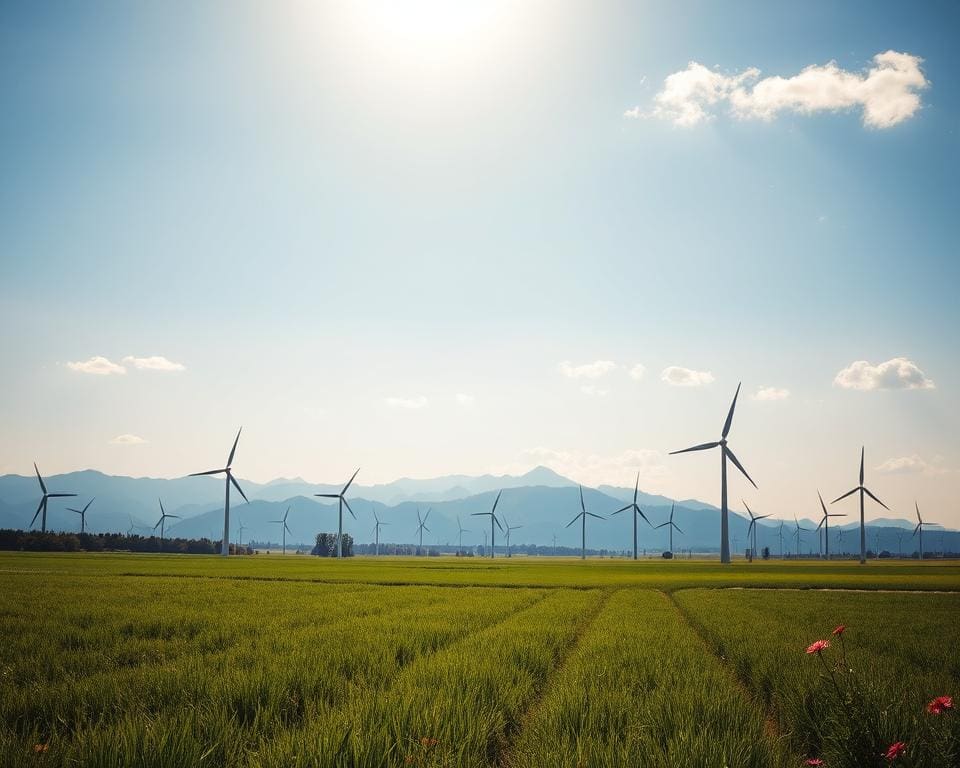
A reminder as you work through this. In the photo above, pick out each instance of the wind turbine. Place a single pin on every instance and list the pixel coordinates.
(376, 529)
(671, 525)
(43, 501)
(919, 529)
(825, 522)
(132, 526)
(582, 516)
(493, 519)
(752, 529)
(83, 514)
(228, 479)
(780, 534)
(725, 453)
(462, 531)
(161, 523)
(242, 526)
(509, 528)
(636, 511)
(284, 529)
(862, 490)
(422, 526)
(341, 501)
(799, 528)
(840, 540)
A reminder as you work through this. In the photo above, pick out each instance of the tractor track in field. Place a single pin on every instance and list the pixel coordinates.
(503, 755)
(770, 725)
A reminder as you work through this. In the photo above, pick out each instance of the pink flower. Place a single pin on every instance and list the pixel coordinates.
(895, 750)
(940, 705)
(818, 646)
(813, 761)
(839, 630)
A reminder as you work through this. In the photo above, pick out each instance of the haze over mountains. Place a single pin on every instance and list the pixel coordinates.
(541, 500)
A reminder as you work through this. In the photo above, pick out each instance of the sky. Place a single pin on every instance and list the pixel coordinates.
(445, 238)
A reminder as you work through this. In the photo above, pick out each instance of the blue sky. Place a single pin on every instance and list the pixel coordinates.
(326, 214)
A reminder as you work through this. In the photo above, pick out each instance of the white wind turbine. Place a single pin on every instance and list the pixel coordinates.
(43, 501)
(919, 529)
(227, 471)
(493, 519)
(376, 529)
(636, 511)
(341, 502)
(284, 529)
(862, 490)
(582, 516)
(509, 528)
(752, 530)
(461, 531)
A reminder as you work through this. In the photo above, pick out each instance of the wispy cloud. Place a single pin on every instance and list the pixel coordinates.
(678, 376)
(465, 399)
(127, 440)
(594, 370)
(887, 91)
(594, 391)
(637, 372)
(97, 366)
(911, 465)
(771, 393)
(154, 363)
(898, 373)
(410, 403)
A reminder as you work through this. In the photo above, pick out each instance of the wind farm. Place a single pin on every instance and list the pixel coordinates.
(455, 273)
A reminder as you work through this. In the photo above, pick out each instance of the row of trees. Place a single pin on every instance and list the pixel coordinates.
(34, 541)
(326, 545)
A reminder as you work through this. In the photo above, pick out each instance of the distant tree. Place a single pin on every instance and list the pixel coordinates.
(668, 555)
(765, 553)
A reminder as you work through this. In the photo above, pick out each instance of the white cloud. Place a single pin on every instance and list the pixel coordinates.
(154, 363)
(898, 373)
(596, 469)
(465, 399)
(594, 391)
(594, 370)
(636, 373)
(887, 91)
(98, 366)
(411, 403)
(127, 440)
(771, 393)
(910, 465)
(678, 376)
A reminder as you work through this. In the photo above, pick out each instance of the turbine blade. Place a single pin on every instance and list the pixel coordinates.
(867, 491)
(285, 515)
(237, 486)
(599, 517)
(848, 493)
(662, 524)
(729, 421)
(636, 488)
(349, 482)
(71, 509)
(914, 530)
(347, 505)
(429, 510)
(677, 527)
(37, 513)
(234, 449)
(161, 507)
(210, 472)
(42, 486)
(582, 507)
(496, 501)
(328, 495)
(701, 447)
(739, 466)
(60, 495)
(479, 514)
(640, 512)
(288, 528)
(496, 521)
(861, 465)
(623, 509)
(919, 519)
(89, 503)
(573, 521)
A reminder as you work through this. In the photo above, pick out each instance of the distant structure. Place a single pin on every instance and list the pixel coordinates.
(725, 454)
(43, 501)
(161, 523)
(799, 528)
(340, 497)
(861, 489)
(509, 528)
(636, 511)
(493, 519)
(752, 529)
(422, 525)
(919, 529)
(583, 529)
(228, 479)
(83, 514)
(284, 529)
(780, 534)
(461, 530)
(672, 525)
(376, 530)
(825, 523)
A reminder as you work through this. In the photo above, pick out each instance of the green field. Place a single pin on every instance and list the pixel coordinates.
(112, 660)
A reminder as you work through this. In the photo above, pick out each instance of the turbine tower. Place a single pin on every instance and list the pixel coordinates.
(752, 529)
(582, 516)
(509, 528)
(161, 523)
(83, 514)
(725, 453)
(376, 529)
(462, 531)
(671, 525)
(422, 525)
(862, 490)
(825, 522)
(493, 519)
(780, 534)
(228, 479)
(240, 544)
(341, 501)
(285, 528)
(919, 529)
(636, 511)
(43, 501)
(799, 528)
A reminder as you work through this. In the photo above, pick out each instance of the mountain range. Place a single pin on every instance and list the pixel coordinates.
(541, 501)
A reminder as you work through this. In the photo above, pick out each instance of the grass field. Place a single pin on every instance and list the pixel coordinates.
(112, 660)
